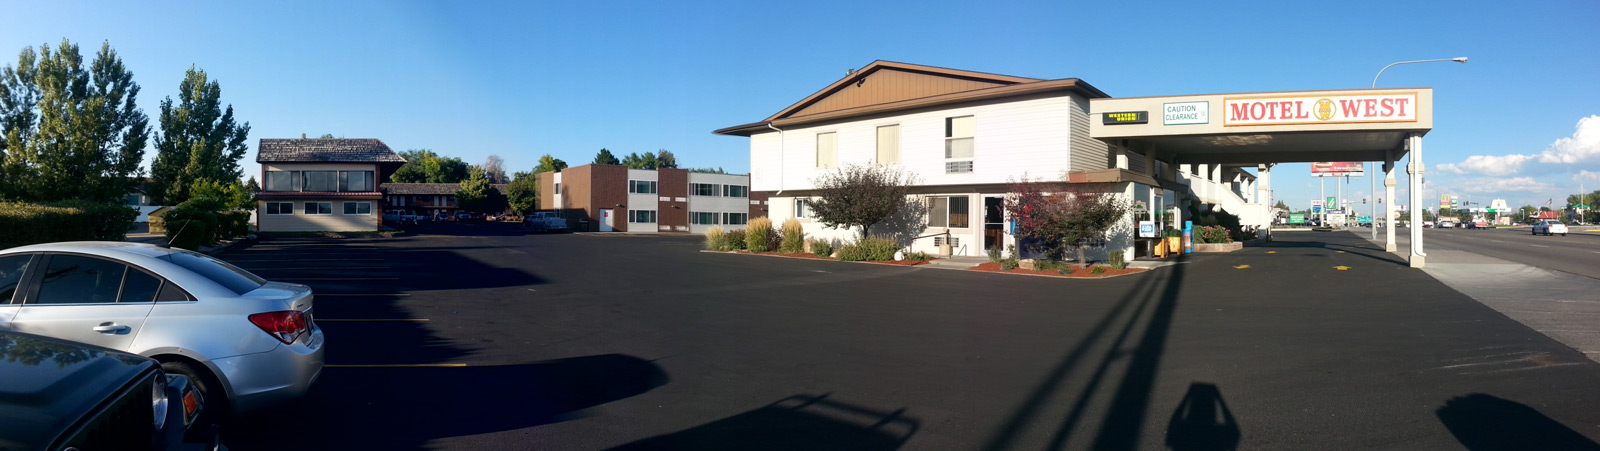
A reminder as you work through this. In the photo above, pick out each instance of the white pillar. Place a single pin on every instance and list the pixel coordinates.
(1122, 157)
(1388, 202)
(1419, 258)
(1264, 192)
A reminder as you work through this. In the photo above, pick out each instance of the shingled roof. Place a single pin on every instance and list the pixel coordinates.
(325, 151)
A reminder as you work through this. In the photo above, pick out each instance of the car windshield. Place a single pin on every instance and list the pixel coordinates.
(229, 276)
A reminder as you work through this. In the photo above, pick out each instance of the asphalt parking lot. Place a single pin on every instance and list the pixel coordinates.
(473, 337)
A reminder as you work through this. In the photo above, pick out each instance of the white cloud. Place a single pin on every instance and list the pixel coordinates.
(1587, 176)
(1583, 145)
(1487, 185)
(1487, 165)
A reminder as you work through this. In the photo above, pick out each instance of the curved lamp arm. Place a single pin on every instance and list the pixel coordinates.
(1380, 72)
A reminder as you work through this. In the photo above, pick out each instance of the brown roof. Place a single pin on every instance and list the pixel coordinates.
(431, 189)
(886, 86)
(325, 151)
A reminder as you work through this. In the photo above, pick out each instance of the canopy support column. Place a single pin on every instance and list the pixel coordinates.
(1419, 258)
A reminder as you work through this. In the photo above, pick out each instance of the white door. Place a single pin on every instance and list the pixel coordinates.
(605, 220)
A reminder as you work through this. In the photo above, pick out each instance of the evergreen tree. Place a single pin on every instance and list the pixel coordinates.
(70, 132)
(666, 160)
(637, 161)
(199, 140)
(475, 192)
(605, 157)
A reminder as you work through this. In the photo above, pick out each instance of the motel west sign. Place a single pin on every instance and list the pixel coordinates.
(1329, 109)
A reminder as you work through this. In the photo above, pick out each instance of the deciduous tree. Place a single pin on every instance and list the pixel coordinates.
(637, 161)
(495, 168)
(1060, 216)
(477, 196)
(523, 194)
(199, 141)
(666, 160)
(69, 131)
(861, 196)
(425, 166)
(548, 163)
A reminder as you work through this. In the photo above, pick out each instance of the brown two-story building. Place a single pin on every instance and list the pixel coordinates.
(322, 185)
(612, 198)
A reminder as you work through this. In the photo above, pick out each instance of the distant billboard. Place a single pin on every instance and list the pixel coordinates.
(1337, 169)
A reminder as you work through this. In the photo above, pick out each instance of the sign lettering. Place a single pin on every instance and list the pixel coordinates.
(1330, 109)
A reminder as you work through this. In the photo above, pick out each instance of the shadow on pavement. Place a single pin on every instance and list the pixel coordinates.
(1202, 422)
(798, 422)
(1482, 422)
(404, 408)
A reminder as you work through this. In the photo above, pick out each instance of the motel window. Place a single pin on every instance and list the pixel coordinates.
(642, 216)
(280, 208)
(703, 189)
(735, 191)
(355, 181)
(958, 147)
(802, 208)
(948, 211)
(283, 181)
(320, 181)
(735, 218)
(827, 150)
(319, 208)
(358, 208)
(889, 144)
(642, 187)
(703, 218)
(558, 189)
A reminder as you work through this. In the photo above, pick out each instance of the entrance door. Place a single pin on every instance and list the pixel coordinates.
(994, 225)
(605, 220)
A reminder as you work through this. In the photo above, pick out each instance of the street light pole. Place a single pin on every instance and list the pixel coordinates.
(1372, 182)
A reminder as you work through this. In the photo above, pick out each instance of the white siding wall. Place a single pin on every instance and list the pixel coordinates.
(301, 222)
(1033, 137)
(643, 201)
(718, 204)
(969, 239)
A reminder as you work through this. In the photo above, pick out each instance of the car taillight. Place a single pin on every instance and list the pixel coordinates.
(285, 326)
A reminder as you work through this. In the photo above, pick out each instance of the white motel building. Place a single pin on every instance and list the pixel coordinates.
(968, 136)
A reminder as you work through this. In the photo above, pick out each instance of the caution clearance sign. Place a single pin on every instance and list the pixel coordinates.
(1331, 109)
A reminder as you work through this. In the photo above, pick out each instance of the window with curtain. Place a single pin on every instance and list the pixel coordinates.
(320, 181)
(355, 181)
(889, 144)
(827, 150)
(282, 180)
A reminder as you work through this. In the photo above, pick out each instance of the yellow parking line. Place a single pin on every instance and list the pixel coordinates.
(406, 365)
(400, 320)
(340, 278)
(361, 294)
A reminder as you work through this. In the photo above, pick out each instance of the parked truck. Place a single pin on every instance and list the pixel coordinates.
(545, 221)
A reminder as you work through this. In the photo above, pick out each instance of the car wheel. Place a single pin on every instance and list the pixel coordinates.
(213, 399)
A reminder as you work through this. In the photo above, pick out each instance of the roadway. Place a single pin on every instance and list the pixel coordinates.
(1577, 253)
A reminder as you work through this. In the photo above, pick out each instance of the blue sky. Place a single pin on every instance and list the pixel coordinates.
(522, 79)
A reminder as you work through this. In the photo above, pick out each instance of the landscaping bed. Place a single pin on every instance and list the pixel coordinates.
(807, 255)
(1078, 273)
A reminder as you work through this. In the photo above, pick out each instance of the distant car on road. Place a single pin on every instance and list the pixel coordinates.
(61, 395)
(245, 343)
(1479, 225)
(545, 222)
(1548, 227)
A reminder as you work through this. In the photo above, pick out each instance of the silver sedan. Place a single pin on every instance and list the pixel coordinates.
(247, 342)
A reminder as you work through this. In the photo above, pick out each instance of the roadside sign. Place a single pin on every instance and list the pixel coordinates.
(1147, 229)
(1297, 219)
(1332, 202)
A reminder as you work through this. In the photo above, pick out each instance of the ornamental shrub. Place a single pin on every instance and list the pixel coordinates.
(1117, 261)
(794, 237)
(758, 234)
(821, 248)
(1008, 265)
(994, 255)
(715, 241)
(24, 223)
(869, 249)
(1098, 270)
(735, 239)
(1213, 234)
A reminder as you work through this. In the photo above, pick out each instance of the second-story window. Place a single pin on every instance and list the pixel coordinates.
(703, 189)
(735, 191)
(283, 181)
(888, 144)
(320, 181)
(958, 146)
(642, 186)
(355, 181)
(827, 150)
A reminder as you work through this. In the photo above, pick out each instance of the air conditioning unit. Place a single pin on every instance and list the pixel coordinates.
(957, 167)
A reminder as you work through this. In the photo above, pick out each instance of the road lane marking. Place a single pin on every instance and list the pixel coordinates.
(353, 320)
(1538, 245)
(404, 365)
(1497, 241)
(1242, 267)
(1342, 268)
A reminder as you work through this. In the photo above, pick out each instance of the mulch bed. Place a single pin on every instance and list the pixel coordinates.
(1077, 273)
(815, 257)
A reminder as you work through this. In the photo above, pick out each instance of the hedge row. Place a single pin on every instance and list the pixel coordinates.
(22, 224)
(198, 222)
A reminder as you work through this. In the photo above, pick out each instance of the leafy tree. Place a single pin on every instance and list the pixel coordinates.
(198, 140)
(232, 195)
(637, 161)
(69, 131)
(861, 196)
(605, 157)
(495, 168)
(1589, 199)
(548, 163)
(716, 170)
(1059, 216)
(1281, 205)
(252, 185)
(523, 193)
(425, 166)
(666, 160)
(476, 194)
(326, 136)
